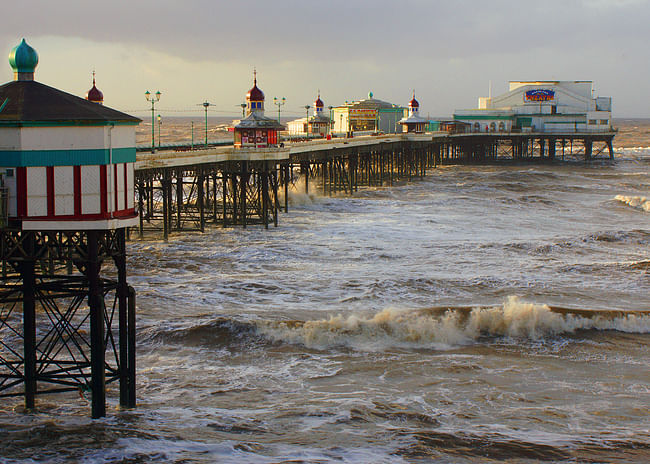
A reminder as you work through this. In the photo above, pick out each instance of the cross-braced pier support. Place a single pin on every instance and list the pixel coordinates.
(60, 330)
(229, 193)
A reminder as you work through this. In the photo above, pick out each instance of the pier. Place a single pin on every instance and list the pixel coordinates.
(180, 189)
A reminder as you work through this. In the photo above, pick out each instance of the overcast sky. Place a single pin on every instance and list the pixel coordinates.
(448, 51)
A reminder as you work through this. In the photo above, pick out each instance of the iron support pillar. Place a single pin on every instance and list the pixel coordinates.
(29, 321)
(96, 304)
(131, 349)
(122, 301)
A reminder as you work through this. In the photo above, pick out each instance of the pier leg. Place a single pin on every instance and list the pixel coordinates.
(141, 207)
(122, 297)
(610, 148)
(276, 205)
(131, 348)
(29, 322)
(265, 194)
(97, 350)
(287, 179)
(179, 198)
(242, 198)
(224, 197)
(165, 188)
(200, 198)
(551, 148)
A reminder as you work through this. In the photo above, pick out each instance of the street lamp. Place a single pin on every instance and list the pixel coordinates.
(307, 119)
(159, 124)
(331, 122)
(243, 109)
(206, 104)
(279, 102)
(153, 98)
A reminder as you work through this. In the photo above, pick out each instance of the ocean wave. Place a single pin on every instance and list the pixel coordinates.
(441, 328)
(432, 328)
(636, 202)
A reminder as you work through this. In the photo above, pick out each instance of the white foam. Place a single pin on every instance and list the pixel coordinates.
(297, 195)
(637, 202)
(424, 329)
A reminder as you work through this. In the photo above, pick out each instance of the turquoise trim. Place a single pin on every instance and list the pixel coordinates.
(65, 157)
(67, 123)
(484, 116)
(573, 121)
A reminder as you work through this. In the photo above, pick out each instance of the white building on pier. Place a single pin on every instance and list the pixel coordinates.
(541, 106)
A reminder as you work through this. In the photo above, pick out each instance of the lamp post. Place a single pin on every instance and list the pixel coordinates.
(153, 98)
(307, 119)
(192, 135)
(279, 102)
(341, 122)
(331, 121)
(159, 124)
(206, 105)
(243, 109)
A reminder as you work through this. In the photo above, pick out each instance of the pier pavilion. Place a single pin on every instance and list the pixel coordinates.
(318, 124)
(256, 130)
(413, 122)
(67, 175)
(367, 115)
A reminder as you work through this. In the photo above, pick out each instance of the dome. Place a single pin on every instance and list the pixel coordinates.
(23, 58)
(319, 103)
(94, 94)
(414, 103)
(255, 94)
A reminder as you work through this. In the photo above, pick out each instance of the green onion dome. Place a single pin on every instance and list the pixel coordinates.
(23, 58)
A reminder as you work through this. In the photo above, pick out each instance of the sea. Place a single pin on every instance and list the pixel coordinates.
(480, 314)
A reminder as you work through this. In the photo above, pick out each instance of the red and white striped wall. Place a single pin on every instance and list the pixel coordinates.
(75, 197)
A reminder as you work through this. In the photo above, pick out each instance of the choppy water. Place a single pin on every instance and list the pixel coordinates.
(483, 314)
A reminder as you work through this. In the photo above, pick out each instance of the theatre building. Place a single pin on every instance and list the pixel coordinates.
(368, 115)
(541, 106)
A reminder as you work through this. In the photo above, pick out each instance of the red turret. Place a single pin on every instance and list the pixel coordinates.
(414, 103)
(94, 94)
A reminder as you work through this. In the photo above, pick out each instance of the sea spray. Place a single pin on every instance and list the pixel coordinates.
(637, 202)
(297, 195)
(443, 329)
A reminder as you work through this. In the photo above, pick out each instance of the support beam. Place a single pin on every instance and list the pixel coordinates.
(97, 347)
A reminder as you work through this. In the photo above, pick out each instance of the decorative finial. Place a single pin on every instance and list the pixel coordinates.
(93, 77)
(413, 93)
(254, 75)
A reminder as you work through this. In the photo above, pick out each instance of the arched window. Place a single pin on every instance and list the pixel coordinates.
(477, 127)
(502, 127)
(493, 127)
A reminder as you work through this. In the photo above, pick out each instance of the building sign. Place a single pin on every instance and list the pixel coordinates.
(363, 113)
(539, 95)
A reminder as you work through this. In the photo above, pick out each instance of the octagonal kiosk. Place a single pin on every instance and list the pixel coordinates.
(66, 167)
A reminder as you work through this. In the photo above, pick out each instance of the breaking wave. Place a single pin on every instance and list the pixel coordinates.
(432, 328)
(440, 328)
(637, 202)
